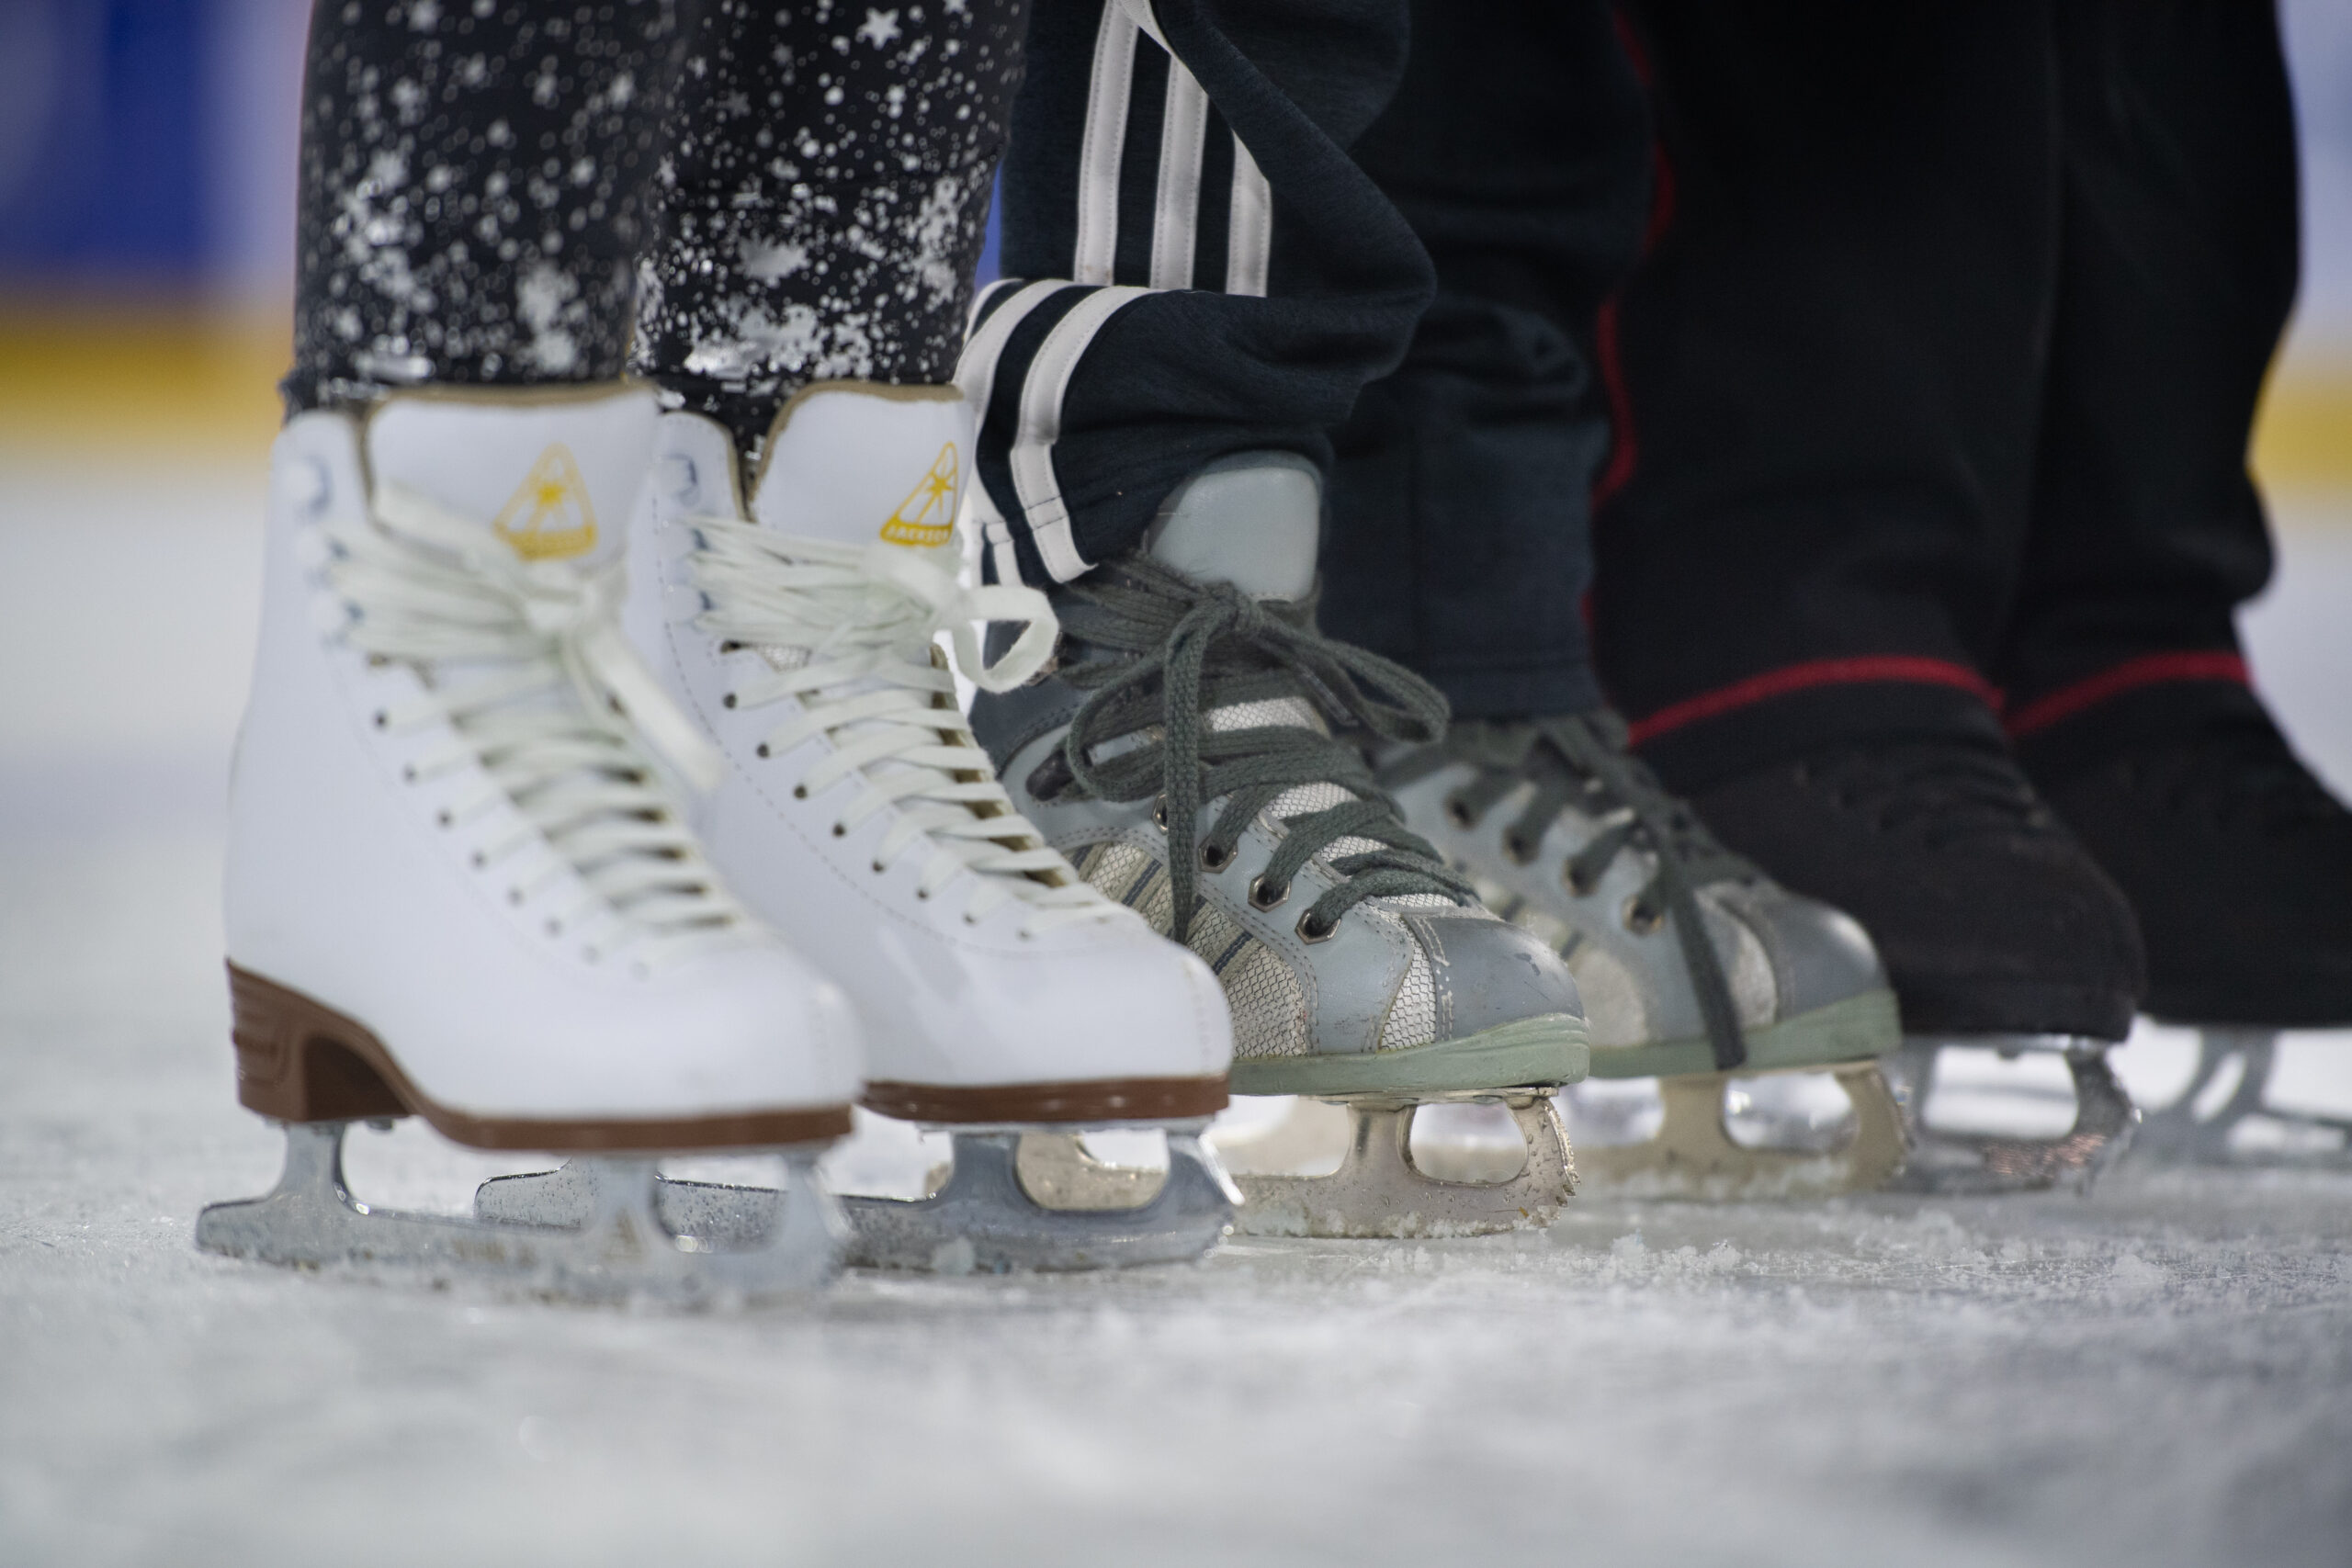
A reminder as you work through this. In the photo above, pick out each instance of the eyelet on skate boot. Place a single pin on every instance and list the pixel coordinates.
(1159, 814)
(1215, 857)
(1311, 931)
(1640, 919)
(1519, 848)
(1458, 812)
(1264, 898)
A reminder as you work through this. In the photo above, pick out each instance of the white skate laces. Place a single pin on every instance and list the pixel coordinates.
(527, 663)
(849, 631)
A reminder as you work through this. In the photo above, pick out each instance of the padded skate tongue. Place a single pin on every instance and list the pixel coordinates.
(853, 462)
(554, 472)
(1253, 520)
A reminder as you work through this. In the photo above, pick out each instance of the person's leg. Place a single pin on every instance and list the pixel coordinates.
(457, 884)
(2129, 697)
(793, 560)
(1828, 375)
(1195, 267)
(1519, 148)
(471, 197)
(822, 201)
(1202, 279)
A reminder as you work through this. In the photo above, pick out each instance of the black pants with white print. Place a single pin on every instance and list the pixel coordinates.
(1194, 265)
(1219, 228)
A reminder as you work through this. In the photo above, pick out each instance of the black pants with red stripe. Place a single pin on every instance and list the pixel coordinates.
(1935, 389)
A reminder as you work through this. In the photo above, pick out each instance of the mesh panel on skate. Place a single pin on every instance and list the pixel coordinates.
(1269, 1008)
(1213, 932)
(1116, 869)
(1412, 1016)
(1269, 713)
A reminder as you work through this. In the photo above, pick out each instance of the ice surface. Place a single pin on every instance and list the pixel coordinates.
(2160, 1374)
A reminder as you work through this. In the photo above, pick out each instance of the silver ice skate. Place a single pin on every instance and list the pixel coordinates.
(1012, 1201)
(614, 1240)
(1184, 756)
(2094, 1124)
(1762, 1036)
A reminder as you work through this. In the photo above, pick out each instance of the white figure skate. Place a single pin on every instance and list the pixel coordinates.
(1002, 997)
(1763, 1034)
(1183, 755)
(457, 887)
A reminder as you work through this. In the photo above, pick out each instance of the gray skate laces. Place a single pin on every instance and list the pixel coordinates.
(1180, 650)
(1581, 760)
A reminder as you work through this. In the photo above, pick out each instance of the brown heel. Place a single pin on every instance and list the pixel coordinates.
(298, 1061)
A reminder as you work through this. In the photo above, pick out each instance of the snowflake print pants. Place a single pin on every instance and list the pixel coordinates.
(760, 194)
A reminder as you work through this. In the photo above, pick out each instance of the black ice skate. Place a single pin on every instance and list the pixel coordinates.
(2239, 865)
(1996, 929)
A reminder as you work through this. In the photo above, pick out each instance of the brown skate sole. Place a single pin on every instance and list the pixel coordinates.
(300, 1060)
(1082, 1100)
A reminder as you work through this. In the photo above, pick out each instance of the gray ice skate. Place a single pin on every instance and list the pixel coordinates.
(1184, 756)
(1764, 1035)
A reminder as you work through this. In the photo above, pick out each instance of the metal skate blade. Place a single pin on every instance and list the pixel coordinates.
(2225, 1115)
(1380, 1189)
(611, 1241)
(1694, 1155)
(1011, 1200)
(1957, 1162)
(1039, 1201)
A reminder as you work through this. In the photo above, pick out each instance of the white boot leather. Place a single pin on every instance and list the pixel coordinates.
(436, 837)
(857, 815)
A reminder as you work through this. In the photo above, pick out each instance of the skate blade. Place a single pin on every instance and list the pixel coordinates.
(2235, 1065)
(1693, 1157)
(1962, 1164)
(1012, 1202)
(1380, 1190)
(612, 1240)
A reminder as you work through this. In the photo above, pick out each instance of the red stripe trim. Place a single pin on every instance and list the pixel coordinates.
(1883, 666)
(1623, 448)
(2149, 670)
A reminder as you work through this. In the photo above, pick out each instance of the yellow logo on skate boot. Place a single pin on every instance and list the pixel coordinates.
(927, 517)
(549, 517)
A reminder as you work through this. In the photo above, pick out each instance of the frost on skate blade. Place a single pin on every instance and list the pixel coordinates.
(1355, 1167)
(1010, 1200)
(2010, 1113)
(2237, 1097)
(613, 1243)
(1795, 1132)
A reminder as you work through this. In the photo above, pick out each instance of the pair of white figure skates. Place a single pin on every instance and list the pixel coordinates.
(583, 807)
